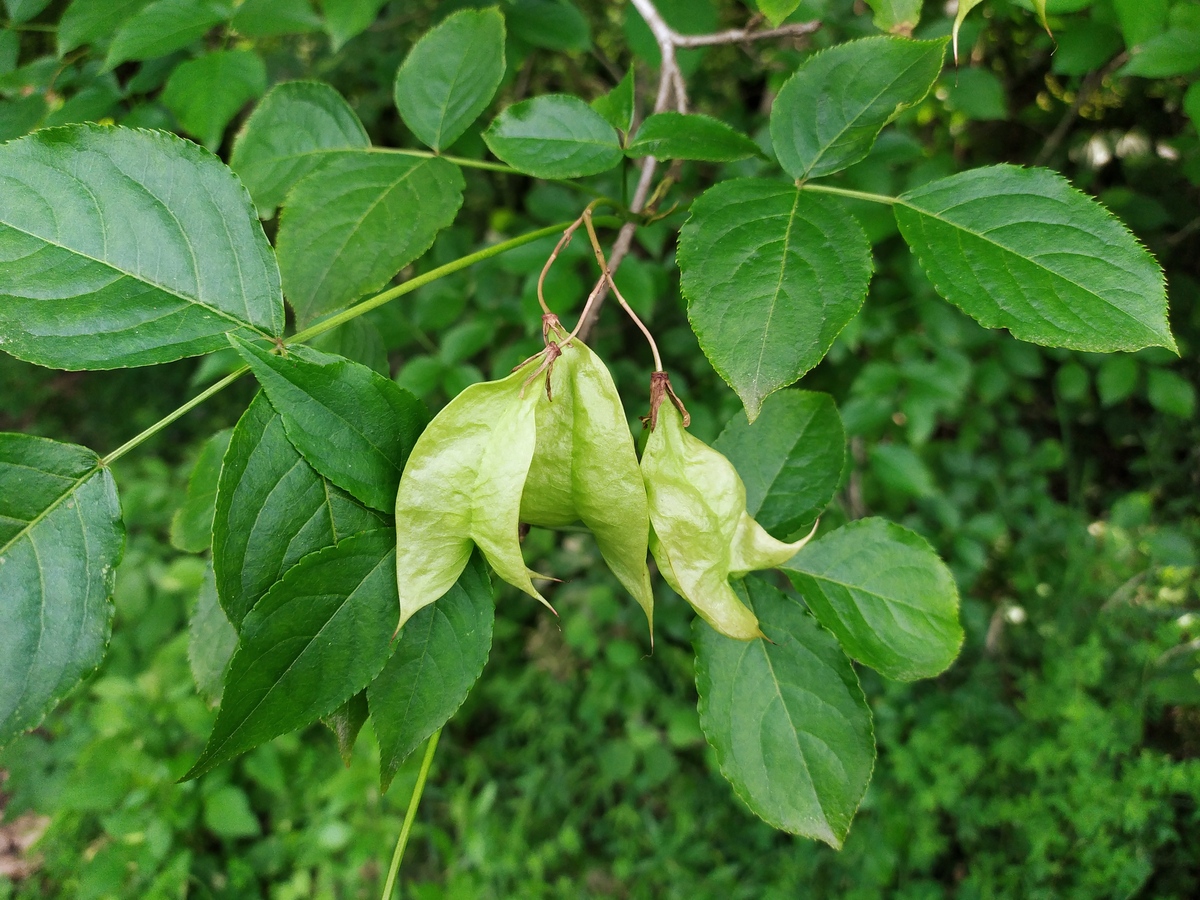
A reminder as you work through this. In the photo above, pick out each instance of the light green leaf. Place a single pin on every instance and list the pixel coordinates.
(777, 10)
(299, 126)
(206, 93)
(787, 718)
(87, 21)
(672, 135)
(885, 594)
(1022, 249)
(228, 814)
(164, 27)
(439, 655)
(1141, 20)
(211, 640)
(554, 136)
(61, 538)
(191, 526)
(896, 16)
(790, 459)
(1174, 52)
(110, 262)
(316, 639)
(345, 19)
(272, 509)
(350, 423)
(271, 18)
(828, 115)
(450, 76)
(1171, 393)
(350, 226)
(771, 274)
(617, 106)
(24, 10)
(964, 7)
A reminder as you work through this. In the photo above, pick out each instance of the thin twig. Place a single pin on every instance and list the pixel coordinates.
(741, 35)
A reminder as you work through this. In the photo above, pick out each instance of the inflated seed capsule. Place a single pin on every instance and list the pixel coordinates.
(462, 485)
(702, 535)
(585, 468)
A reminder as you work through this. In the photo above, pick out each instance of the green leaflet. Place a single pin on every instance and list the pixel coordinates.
(673, 135)
(617, 106)
(298, 127)
(346, 722)
(554, 136)
(206, 93)
(1022, 249)
(191, 526)
(585, 469)
(462, 486)
(86, 21)
(164, 27)
(212, 640)
(450, 76)
(345, 19)
(787, 717)
(896, 16)
(109, 264)
(61, 538)
(703, 535)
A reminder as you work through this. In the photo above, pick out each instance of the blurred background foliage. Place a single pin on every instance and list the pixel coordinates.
(1059, 757)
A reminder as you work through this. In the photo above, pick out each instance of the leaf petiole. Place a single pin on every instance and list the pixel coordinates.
(410, 815)
(845, 192)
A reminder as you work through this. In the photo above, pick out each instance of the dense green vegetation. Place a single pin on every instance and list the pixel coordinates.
(1058, 756)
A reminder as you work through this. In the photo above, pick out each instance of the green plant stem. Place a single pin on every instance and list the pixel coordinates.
(854, 195)
(341, 318)
(172, 416)
(457, 160)
(410, 816)
(421, 280)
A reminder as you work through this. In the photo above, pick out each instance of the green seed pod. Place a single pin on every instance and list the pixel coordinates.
(462, 485)
(585, 468)
(702, 534)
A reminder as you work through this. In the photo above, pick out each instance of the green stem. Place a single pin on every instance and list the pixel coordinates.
(410, 816)
(172, 416)
(854, 195)
(457, 160)
(421, 280)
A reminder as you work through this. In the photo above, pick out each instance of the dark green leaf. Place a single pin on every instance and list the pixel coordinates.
(299, 126)
(554, 136)
(271, 18)
(349, 227)
(345, 19)
(110, 261)
(790, 459)
(346, 722)
(438, 657)
(771, 274)
(317, 638)
(450, 76)
(164, 27)
(553, 24)
(351, 424)
(885, 594)
(672, 135)
(21, 116)
(829, 113)
(272, 509)
(86, 21)
(787, 718)
(896, 16)
(191, 527)
(617, 106)
(60, 541)
(206, 93)
(1021, 249)
(211, 640)
(94, 102)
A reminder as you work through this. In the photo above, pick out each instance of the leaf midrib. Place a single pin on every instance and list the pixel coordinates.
(75, 486)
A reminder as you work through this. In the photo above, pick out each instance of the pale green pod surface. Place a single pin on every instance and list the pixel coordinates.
(702, 533)
(585, 469)
(462, 485)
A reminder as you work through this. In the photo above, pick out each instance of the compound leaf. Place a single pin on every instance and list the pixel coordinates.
(350, 423)
(829, 113)
(554, 136)
(272, 509)
(125, 248)
(787, 718)
(439, 655)
(298, 126)
(450, 76)
(790, 459)
(771, 274)
(61, 538)
(883, 591)
(316, 639)
(1022, 249)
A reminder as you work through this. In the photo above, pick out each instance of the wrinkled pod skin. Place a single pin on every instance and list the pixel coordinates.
(702, 535)
(462, 486)
(585, 469)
